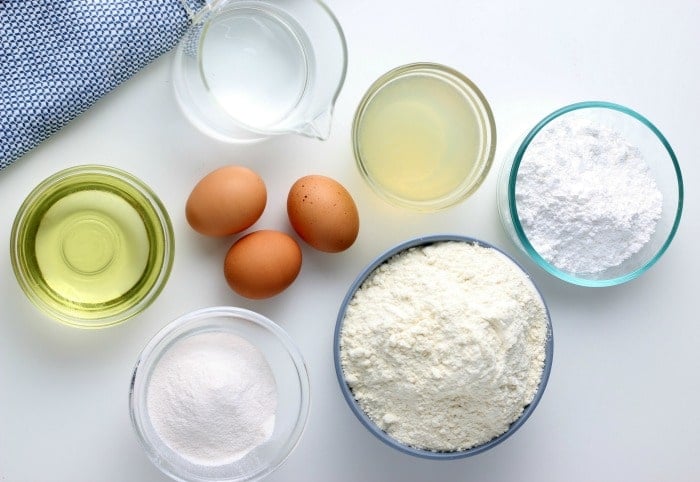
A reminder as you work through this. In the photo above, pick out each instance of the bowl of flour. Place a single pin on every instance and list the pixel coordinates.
(593, 194)
(443, 347)
(220, 394)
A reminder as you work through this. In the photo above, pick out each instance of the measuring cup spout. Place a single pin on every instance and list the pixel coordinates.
(320, 127)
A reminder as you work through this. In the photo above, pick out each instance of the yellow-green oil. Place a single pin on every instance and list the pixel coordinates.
(92, 246)
(419, 138)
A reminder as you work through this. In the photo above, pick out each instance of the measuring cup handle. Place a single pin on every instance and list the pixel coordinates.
(194, 7)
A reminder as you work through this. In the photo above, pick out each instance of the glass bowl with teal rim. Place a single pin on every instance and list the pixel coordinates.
(638, 139)
(363, 280)
(92, 246)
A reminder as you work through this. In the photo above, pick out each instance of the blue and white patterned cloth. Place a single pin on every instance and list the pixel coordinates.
(57, 57)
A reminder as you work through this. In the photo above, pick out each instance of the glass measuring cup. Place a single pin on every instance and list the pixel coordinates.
(250, 69)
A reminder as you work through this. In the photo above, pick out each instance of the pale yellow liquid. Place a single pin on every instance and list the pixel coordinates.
(91, 247)
(418, 138)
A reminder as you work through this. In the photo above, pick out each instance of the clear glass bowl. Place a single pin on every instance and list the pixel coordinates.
(291, 378)
(663, 165)
(354, 405)
(92, 246)
(459, 141)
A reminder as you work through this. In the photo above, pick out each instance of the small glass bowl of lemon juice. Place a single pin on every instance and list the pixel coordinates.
(424, 136)
(92, 246)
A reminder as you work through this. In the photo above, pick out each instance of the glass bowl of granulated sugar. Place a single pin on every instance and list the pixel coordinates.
(593, 194)
(443, 347)
(220, 394)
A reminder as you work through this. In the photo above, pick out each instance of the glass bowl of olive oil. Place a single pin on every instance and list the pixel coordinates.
(92, 246)
(424, 136)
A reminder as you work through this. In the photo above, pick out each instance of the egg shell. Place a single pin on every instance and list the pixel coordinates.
(323, 213)
(262, 264)
(226, 201)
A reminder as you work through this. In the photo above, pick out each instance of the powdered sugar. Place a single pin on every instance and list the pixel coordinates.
(585, 197)
(444, 345)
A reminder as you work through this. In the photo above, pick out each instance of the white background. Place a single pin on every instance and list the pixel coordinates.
(623, 401)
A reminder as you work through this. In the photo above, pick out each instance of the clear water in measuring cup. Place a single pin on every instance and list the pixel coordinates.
(257, 65)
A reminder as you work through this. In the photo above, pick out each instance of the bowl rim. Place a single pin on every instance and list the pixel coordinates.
(154, 348)
(425, 240)
(162, 222)
(513, 211)
(482, 112)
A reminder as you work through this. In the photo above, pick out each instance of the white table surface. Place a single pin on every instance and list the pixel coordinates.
(623, 401)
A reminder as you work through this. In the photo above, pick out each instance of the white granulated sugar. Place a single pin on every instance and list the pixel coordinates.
(212, 398)
(585, 197)
(444, 345)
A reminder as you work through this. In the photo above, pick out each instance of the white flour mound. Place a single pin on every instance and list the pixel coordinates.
(444, 345)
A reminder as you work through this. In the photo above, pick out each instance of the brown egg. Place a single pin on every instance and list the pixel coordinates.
(226, 201)
(323, 213)
(262, 264)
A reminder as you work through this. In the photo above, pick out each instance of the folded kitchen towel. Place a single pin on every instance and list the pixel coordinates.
(57, 57)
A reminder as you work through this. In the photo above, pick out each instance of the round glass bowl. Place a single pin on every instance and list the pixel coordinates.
(663, 168)
(368, 423)
(424, 137)
(286, 364)
(92, 246)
